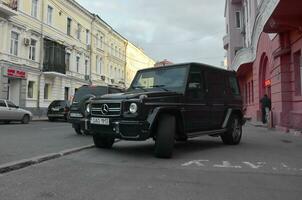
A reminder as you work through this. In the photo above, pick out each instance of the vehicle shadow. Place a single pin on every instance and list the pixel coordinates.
(181, 149)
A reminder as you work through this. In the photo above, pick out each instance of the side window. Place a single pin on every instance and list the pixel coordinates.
(11, 105)
(234, 85)
(2, 103)
(195, 88)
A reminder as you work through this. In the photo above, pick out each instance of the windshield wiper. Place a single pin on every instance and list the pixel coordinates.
(161, 87)
(139, 87)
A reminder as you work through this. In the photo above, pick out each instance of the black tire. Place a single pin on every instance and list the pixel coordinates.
(165, 136)
(86, 132)
(6, 122)
(51, 119)
(78, 130)
(234, 132)
(25, 119)
(103, 142)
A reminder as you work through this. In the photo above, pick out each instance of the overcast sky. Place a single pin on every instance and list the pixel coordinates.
(177, 30)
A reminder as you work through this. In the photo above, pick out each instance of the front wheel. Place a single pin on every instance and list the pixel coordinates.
(165, 137)
(234, 132)
(77, 129)
(25, 119)
(103, 142)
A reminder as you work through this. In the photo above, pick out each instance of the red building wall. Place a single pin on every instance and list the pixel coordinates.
(276, 61)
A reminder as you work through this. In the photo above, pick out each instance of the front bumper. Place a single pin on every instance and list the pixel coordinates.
(122, 129)
(84, 123)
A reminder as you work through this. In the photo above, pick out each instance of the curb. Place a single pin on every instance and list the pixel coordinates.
(12, 166)
(291, 132)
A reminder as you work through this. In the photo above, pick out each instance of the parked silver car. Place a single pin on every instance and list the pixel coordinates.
(10, 112)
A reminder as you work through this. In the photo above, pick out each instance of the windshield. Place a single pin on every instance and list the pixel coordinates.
(167, 79)
(84, 91)
(58, 103)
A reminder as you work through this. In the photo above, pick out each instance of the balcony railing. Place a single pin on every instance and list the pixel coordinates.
(8, 10)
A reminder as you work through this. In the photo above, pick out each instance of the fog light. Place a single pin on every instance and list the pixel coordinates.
(133, 108)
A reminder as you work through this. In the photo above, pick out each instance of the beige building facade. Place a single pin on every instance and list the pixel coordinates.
(136, 59)
(49, 48)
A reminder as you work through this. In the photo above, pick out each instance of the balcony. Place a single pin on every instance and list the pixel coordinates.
(7, 11)
(226, 41)
(54, 58)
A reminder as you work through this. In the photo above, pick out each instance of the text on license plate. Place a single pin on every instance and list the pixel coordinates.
(99, 121)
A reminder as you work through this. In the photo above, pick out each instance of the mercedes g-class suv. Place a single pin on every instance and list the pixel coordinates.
(168, 104)
(79, 110)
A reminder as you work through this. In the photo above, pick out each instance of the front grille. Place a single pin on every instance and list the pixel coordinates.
(106, 109)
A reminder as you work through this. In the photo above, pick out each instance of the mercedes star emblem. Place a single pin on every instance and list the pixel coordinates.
(104, 109)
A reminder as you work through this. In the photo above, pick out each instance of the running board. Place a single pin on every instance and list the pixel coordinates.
(212, 133)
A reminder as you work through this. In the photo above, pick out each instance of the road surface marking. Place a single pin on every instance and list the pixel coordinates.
(255, 166)
(227, 164)
(195, 162)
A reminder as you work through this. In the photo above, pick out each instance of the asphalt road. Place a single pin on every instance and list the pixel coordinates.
(266, 165)
(19, 141)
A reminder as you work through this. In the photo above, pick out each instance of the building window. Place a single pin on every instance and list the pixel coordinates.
(298, 73)
(32, 49)
(14, 43)
(249, 93)
(49, 15)
(100, 66)
(115, 52)
(87, 37)
(34, 8)
(79, 32)
(86, 67)
(252, 91)
(69, 26)
(78, 63)
(67, 61)
(238, 19)
(46, 91)
(30, 89)
(101, 42)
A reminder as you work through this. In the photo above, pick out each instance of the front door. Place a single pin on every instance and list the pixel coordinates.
(14, 90)
(196, 110)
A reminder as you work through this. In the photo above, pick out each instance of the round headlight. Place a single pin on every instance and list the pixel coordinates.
(88, 108)
(133, 108)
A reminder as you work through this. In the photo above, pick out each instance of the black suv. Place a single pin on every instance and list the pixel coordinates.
(171, 103)
(58, 109)
(79, 110)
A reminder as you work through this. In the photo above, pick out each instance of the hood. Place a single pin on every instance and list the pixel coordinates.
(25, 111)
(134, 95)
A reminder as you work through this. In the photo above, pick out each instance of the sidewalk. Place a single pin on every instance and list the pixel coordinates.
(261, 125)
(38, 118)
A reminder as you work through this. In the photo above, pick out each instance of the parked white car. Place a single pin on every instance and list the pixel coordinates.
(10, 112)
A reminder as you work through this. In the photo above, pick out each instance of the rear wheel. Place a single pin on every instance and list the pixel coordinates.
(165, 137)
(51, 119)
(77, 129)
(25, 119)
(103, 142)
(234, 132)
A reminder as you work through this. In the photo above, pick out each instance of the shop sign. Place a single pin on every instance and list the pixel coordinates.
(267, 83)
(15, 73)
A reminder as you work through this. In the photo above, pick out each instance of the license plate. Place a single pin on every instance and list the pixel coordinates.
(76, 115)
(99, 121)
(55, 109)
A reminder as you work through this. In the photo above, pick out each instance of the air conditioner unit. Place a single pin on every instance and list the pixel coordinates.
(26, 41)
(87, 77)
(103, 77)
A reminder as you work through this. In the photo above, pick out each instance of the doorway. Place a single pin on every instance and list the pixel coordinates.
(14, 86)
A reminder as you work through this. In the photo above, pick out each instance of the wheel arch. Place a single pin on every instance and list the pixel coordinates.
(154, 117)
